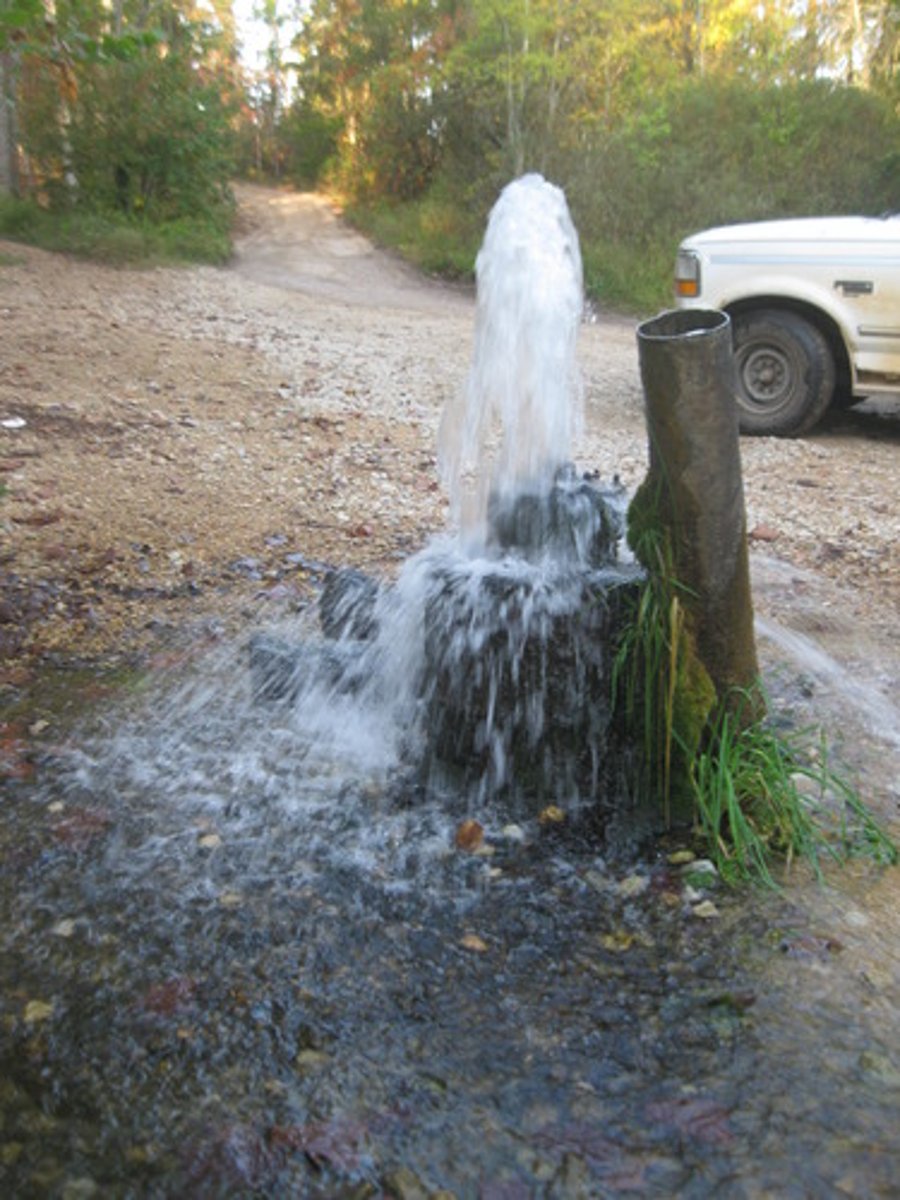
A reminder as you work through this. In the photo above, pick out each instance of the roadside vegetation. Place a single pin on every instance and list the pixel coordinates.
(117, 141)
(123, 123)
(656, 118)
(757, 795)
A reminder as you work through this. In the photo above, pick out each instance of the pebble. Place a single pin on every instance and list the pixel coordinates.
(633, 885)
(706, 910)
(64, 928)
(37, 1011)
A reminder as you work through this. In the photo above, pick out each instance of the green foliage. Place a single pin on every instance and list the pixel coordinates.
(714, 760)
(115, 238)
(433, 233)
(125, 130)
(752, 806)
(657, 120)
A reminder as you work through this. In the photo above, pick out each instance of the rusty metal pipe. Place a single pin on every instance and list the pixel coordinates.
(695, 480)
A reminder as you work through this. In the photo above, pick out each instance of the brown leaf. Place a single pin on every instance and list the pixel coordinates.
(469, 835)
(763, 533)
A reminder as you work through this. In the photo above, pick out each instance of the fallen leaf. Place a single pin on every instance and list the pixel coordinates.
(469, 835)
(763, 533)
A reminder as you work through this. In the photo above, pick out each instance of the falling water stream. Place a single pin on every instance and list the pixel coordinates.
(243, 955)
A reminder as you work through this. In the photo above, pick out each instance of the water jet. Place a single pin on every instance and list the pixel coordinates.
(509, 623)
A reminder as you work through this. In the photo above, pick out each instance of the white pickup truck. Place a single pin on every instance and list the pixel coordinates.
(815, 310)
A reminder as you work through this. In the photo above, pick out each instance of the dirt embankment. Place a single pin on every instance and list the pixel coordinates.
(178, 447)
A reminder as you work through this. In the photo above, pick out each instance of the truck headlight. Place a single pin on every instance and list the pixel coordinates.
(687, 274)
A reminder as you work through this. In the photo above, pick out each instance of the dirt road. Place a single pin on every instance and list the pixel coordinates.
(181, 448)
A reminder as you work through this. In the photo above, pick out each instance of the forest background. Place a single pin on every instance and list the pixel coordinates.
(122, 122)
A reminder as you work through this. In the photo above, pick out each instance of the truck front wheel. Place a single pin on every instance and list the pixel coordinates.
(785, 373)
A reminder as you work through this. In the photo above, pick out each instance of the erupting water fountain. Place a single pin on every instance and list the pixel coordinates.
(495, 647)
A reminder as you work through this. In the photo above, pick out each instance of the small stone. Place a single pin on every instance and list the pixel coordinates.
(706, 910)
(485, 850)
(231, 899)
(471, 941)
(597, 880)
(210, 841)
(13, 423)
(56, 806)
(702, 866)
(679, 857)
(36, 1011)
(633, 885)
(311, 1060)
(551, 815)
(64, 928)
(513, 833)
(79, 1189)
(38, 727)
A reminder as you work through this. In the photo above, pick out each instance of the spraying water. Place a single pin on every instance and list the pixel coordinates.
(512, 428)
(493, 652)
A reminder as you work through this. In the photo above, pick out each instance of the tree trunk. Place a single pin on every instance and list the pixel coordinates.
(9, 151)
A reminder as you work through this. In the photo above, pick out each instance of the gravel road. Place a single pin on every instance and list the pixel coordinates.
(180, 447)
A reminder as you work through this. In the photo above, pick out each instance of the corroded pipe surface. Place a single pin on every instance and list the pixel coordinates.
(687, 369)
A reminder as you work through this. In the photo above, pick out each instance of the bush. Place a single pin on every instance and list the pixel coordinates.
(113, 237)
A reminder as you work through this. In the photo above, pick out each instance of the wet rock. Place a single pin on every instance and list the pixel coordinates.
(577, 521)
(283, 670)
(516, 681)
(347, 605)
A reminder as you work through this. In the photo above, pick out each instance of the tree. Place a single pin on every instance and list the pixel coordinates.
(131, 101)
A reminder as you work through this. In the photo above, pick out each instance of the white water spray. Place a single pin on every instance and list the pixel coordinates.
(512, 428)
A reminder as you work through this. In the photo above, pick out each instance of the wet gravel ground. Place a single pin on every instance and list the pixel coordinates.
(234, 964)
(228, 968)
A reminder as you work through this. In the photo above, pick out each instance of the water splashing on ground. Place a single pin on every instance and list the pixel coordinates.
(243, 956)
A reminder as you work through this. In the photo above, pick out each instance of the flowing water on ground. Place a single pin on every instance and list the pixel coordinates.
(245, 954)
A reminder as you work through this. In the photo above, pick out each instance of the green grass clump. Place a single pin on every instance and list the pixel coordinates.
(432, 233)
(755, 796)
(762, 796)
(116, 238)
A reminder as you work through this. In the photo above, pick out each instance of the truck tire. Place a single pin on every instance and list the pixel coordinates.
(785, 373)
